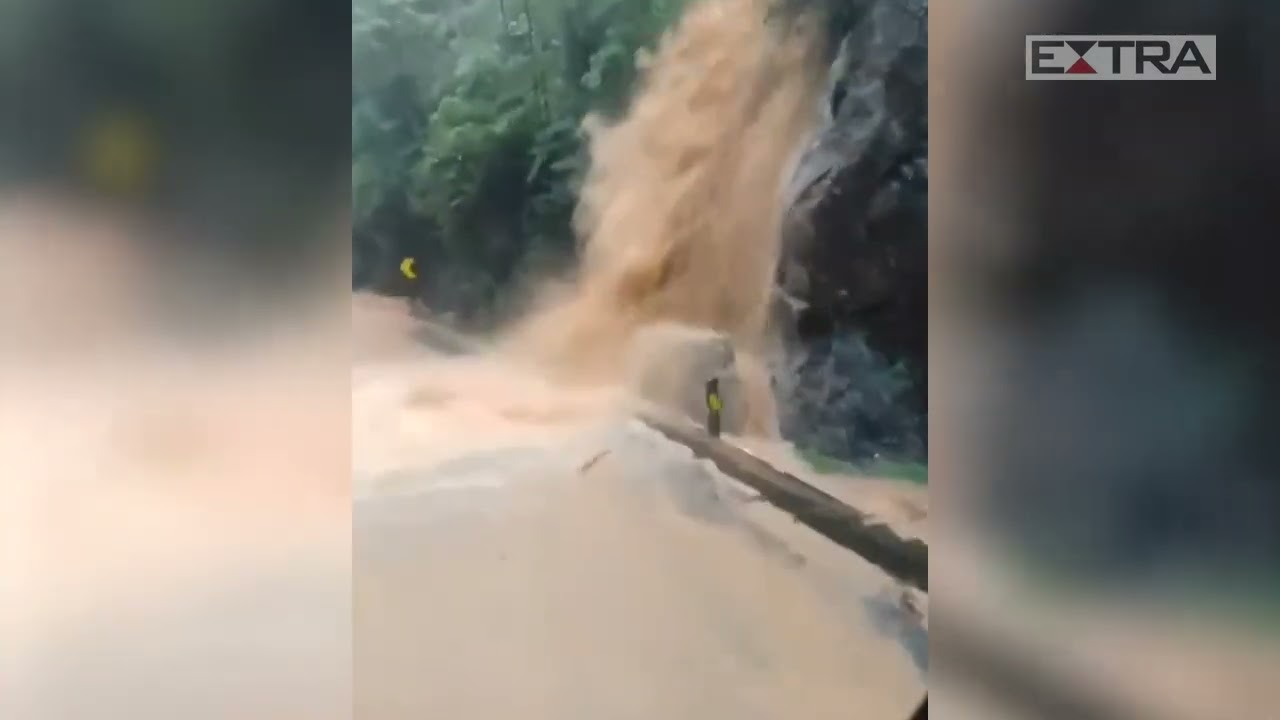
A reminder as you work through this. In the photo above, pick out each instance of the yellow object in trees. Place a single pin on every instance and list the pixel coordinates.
(407, 269)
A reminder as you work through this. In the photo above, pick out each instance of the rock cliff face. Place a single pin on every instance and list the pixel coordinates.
(855, 237)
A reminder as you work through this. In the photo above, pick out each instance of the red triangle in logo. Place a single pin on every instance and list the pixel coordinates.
(1080, 67)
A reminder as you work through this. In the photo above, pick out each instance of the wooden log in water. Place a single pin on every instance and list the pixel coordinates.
(903, 558)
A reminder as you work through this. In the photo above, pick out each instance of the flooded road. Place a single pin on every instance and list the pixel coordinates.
(572, 563)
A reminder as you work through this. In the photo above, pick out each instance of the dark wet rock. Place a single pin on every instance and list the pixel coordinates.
(855, 233)
(843, 399)
(855, 238)
(856, 230)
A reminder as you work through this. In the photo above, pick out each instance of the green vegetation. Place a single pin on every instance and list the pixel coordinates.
(465, 128)
(913, 472)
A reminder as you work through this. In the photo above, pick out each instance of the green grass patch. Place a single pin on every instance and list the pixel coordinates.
(913, 472)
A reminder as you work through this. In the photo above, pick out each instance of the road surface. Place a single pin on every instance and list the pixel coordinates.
(528, 551)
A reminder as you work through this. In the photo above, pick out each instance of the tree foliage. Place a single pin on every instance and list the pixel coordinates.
(465, 128)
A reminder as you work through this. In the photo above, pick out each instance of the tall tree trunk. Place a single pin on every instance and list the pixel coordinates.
(533, 54)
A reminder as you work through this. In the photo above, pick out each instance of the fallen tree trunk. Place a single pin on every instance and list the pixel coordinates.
(904, 559)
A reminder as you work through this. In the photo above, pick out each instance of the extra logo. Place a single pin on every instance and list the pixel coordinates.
(1122, 57)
